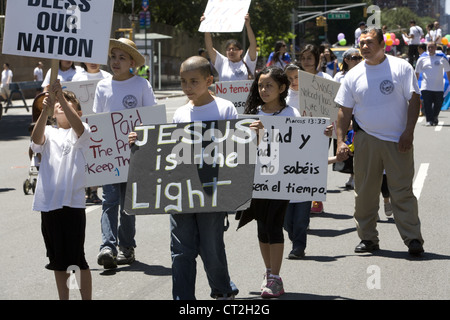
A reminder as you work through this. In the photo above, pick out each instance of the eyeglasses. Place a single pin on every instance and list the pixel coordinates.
(232, 49)
(356, 58)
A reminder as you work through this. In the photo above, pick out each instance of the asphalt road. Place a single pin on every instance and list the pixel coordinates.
(330, 271)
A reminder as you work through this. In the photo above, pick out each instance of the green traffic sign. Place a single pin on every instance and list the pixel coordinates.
(339, 15)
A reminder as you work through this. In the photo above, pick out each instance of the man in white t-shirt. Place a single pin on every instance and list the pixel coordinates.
(361, 27)
(38, 72)
(432, 68)
(7, 76)
(438, 32)
(383, 95)
(414, 36)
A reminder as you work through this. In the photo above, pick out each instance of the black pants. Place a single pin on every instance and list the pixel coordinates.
(432, 104)
(413, 54)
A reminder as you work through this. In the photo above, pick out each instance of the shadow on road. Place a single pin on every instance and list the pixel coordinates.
(14, 127)
(137, 266)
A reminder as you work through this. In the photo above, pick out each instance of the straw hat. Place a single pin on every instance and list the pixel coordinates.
(129, 47)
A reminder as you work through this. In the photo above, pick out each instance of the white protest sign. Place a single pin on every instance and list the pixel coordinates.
(292, 162)
(234, 91)
(316, 97)
(85, 93)
(109, 153)
(225, 16)
(76, 30)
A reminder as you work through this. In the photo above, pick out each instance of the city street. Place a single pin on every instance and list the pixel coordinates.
(330, 271)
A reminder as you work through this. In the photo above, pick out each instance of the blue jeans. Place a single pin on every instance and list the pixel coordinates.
(296, 223)
(113, 234)
(193, 234)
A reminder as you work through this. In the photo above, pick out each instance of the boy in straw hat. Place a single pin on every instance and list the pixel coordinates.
(123, 91)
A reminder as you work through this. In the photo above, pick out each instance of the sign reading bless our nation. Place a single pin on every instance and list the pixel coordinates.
(76, 30)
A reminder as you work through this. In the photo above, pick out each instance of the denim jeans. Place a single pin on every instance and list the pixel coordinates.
(113, 234)
(296, 223)
(193, 234)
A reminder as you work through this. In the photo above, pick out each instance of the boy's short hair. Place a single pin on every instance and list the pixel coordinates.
(197, 63)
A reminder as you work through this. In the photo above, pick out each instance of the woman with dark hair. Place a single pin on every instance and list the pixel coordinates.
(351, 58)
(309, 61)
(279, 57)
(329, 62)
(234, 66)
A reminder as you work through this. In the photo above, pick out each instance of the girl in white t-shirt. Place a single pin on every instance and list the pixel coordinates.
(232, 66)
(291, 71)
(60, 188)
(66, 71)
(309, 61)
(90, 71)
(267, 97)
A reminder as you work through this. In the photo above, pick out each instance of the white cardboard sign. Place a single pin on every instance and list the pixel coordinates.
(316, 97)
(108, 158)
(76, 30)
(225, 16)
(292, 161)
(234, 91)
(85, 93)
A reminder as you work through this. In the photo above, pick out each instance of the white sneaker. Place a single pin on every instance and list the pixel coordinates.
(273, 289)
(350, 184)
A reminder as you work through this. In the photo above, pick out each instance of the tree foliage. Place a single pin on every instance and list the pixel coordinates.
(270, 19)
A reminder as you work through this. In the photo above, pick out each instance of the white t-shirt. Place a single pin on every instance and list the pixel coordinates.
(292, 99)
(432, 69)
(61, 180)
(339, 76)
(286, 112)
(379, 96)
(83, 75)
(62, 75)
(324, 75)
(417, 32)
(5, 75)
(218, 109)
(112, 95)
(438, 34)
(230, 71)
(358, 32)
(39, 74)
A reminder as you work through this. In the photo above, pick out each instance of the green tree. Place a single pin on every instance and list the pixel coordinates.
(270, 19)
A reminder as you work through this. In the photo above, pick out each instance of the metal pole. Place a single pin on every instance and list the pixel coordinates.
(159, 65)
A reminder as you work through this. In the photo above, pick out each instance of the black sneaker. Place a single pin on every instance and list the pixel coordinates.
(125, 256)
(296, 254)
(366, 246)
(107, 259)
(415, 248)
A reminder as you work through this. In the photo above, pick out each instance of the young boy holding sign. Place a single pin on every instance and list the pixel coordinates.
(123, 91)
(199, 233)
(208, 228)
